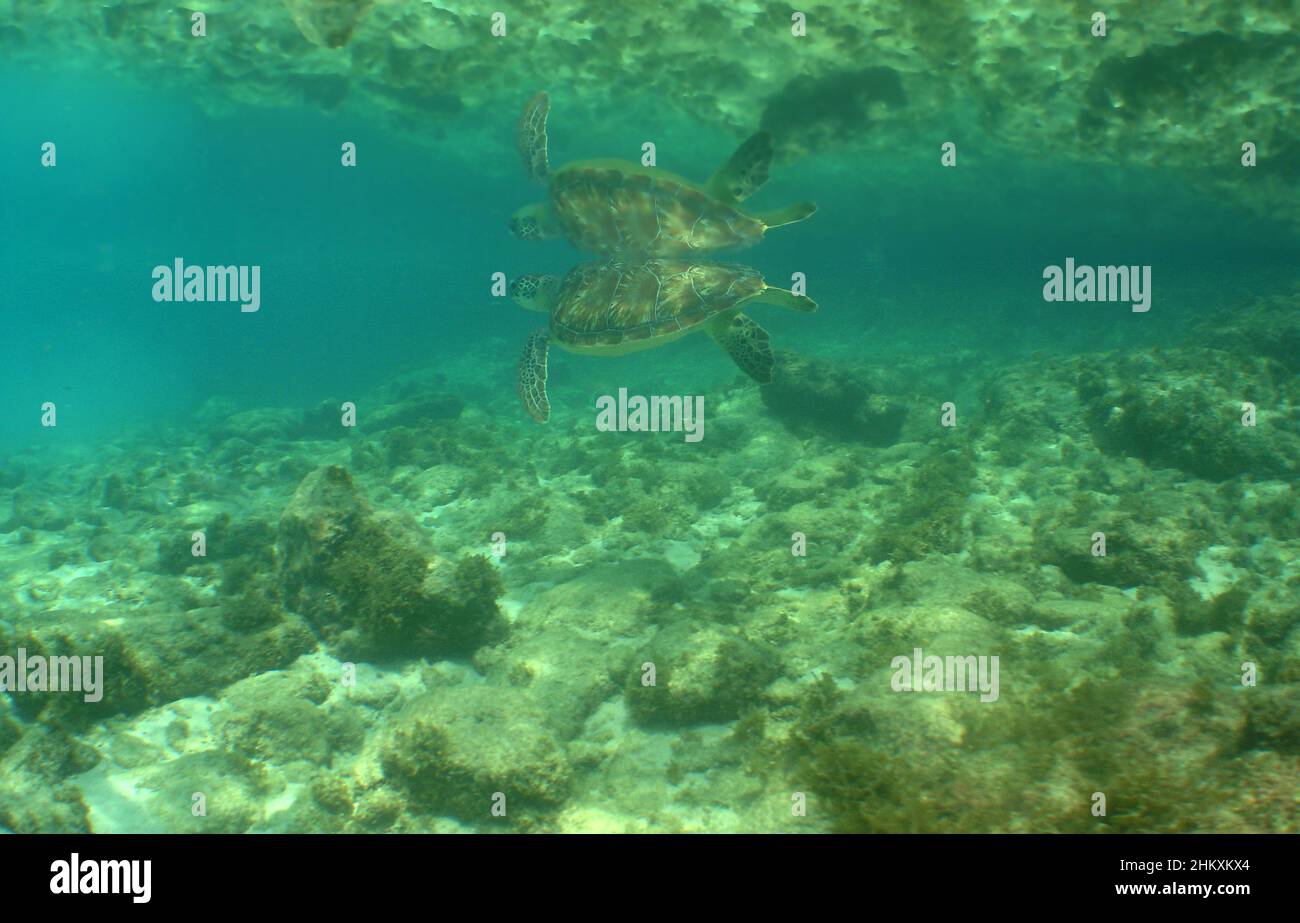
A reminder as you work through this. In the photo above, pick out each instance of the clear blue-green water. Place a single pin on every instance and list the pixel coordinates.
(401, 615)
(390, 264)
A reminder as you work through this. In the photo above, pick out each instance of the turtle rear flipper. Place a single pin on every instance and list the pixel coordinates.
(531, 379)
(530, 136)
(745, 171)
(746, 343)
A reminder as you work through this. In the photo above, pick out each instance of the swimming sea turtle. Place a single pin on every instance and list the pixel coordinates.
(615, 306)
(612, 206)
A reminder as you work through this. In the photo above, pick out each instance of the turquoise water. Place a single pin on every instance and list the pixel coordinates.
(389, 265)
(402, 673)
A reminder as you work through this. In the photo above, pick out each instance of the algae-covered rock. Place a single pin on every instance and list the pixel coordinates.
(366, 582)
(938, 581)
(378, 809)
(565, 668)
(115, 493)
(929, 513)
(426, 411)
(32, 510)
(332, 794)
(1030, 761)
(225, 539)
(820, 480)
(34, 797)
(811, 394)
(891, 631)
(1269, 328)
(1031, 403)
(1272, 614)
(10, 728)
(161, 797)
(702, 674)
(1184, 409)
(273, 717)
(1140, 550)
(1224, 612)
(11, 474)
(328, 23)
(154, 656)
(237, 428)
(1273, 717)
(384, 411)
(452, 750)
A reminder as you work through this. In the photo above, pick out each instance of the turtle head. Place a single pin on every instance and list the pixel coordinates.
(534, 222)
(536, 293)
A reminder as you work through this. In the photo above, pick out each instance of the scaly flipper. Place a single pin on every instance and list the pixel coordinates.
(787, 299)
(531, 380)
(530, 136)
(745, 172)
(746, 343)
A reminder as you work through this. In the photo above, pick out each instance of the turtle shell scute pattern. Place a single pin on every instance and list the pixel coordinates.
(614, 302)
(608, 210)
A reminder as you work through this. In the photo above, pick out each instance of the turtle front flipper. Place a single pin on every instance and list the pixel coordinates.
(746, 343)
(800, 211)
(530, 136)
(746, 171)
(531, 379)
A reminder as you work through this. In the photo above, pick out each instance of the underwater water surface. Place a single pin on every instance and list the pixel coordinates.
(968, 557)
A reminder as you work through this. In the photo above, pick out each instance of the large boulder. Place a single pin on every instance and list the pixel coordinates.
(455, 750)
(368, 583)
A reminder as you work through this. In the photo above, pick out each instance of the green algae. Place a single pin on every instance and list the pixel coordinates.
(1059, 748)
(928, 517)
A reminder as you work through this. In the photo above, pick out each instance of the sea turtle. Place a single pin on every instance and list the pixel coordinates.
(612, 206)
(615, 306)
